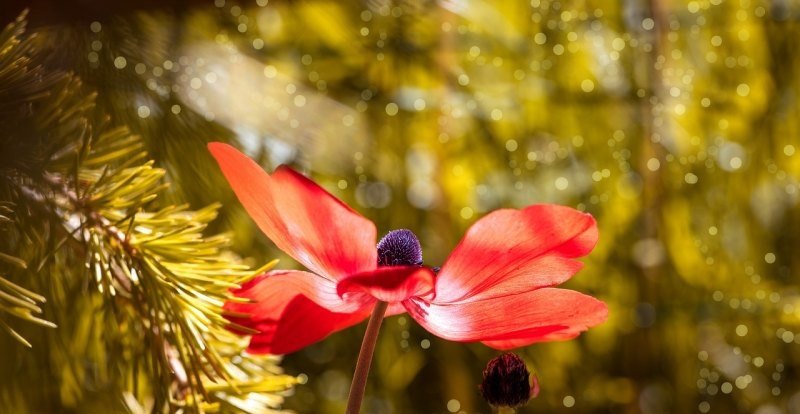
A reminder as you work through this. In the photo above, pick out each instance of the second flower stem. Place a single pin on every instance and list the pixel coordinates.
(359, 384)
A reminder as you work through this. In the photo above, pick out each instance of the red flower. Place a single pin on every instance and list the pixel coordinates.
(495, 287)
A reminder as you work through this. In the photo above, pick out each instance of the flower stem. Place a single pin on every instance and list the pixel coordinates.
(365, 359)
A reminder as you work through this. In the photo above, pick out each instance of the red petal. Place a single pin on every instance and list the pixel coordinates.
(511, 251)
(293, 309)
(397, 308)
(389, 284)
(300, 217)
(511, 321)
(270, 292)
(303, 324)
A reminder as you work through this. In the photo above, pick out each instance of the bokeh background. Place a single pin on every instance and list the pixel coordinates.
(675, 123)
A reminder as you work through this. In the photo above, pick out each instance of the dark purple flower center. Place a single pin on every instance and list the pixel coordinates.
(399, 248)
(506, 382)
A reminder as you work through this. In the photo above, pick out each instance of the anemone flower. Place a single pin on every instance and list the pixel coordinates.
(496, 287)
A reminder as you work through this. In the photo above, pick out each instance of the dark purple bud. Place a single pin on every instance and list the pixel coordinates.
(399, 248)
(506, 382)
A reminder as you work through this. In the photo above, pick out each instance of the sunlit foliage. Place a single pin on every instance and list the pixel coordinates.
(131, 289)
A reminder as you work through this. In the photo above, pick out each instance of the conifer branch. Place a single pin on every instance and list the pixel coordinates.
(148, 264)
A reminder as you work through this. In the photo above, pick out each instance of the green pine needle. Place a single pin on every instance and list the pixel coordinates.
(133, 281)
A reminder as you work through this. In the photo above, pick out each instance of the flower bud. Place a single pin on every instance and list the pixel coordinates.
(507, 382)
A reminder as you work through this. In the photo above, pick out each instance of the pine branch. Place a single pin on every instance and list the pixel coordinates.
(148, 264)
(17, 301)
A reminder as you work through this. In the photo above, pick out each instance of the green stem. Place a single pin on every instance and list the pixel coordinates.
(359, 384)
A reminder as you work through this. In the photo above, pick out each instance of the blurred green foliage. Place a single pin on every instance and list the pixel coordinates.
(676, 123)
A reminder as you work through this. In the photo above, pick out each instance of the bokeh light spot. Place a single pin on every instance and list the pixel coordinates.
(568, 401)
(453, 405)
